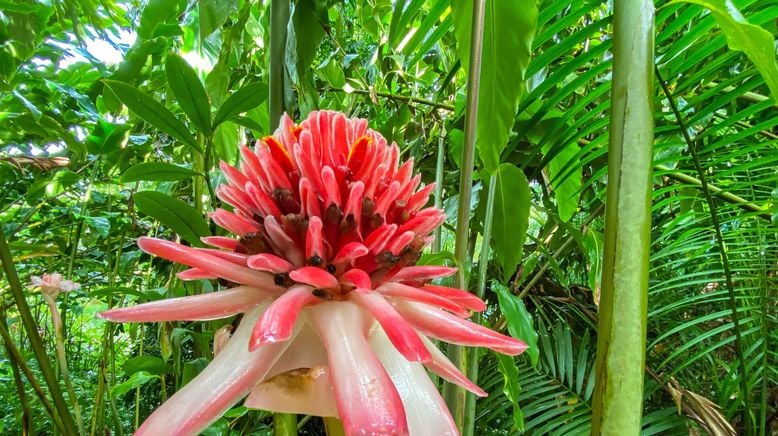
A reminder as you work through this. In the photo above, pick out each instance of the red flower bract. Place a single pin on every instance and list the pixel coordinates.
(329, 226)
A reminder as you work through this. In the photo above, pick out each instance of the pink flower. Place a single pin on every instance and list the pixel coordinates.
(337, 319)
(52, 284)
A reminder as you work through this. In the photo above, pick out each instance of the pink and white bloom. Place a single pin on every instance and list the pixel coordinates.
(337, 318)
(52, 284)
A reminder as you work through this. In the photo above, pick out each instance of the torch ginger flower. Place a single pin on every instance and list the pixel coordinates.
(336, 316)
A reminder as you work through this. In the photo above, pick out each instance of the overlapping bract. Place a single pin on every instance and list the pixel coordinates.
(337, 316)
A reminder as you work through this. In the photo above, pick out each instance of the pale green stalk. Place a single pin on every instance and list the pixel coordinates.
(621, 333)
(454, 395)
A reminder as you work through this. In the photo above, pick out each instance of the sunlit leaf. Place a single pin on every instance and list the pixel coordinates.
(189, 92)
(507, 42)
(242, 100)
(152, 112)
(173, 213)
(157, 172)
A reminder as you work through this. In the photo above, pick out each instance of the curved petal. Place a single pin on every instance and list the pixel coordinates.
(316, 277)
(197, 259)
(422, 273)
(221, 242)
(413, 293)
(450, 328)
(467, 299)
(349, 252)
(278, 321)
(196, 274)
(228, 378)
(443, 367)
(214, 305)
(402, 335)
(425, 410)
(367, 400)
(269, 262)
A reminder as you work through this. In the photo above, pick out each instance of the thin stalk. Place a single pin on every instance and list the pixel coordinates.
(35, 340)
(712, 209)
(715, 190)
(396, 97)
(621, 331)
(439, 167)
(483, 268)
(454, 395)
(56, 321)
(279, 19)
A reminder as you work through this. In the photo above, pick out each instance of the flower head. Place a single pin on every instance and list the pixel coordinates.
(52, 284)
(336, 315)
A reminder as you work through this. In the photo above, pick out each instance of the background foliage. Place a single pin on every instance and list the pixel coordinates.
(115, 114)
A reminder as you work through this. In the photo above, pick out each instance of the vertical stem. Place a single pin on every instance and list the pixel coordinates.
(56, 321)
(439, 166)
(455, 396)
(35, 340)
(483, 268)
(284, 424)
(739, 347)
(279, 19)
(621, 334)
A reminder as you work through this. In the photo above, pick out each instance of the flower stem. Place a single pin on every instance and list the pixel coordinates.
(483, 267)
(454, 395)
(63, 363)
(35, 340)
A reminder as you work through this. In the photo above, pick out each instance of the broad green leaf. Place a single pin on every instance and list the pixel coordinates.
(137, 379)
(511, 217)
(507, 42)
(518, 319)
(226, 141)
(155, 13)
(242, 100)
(150, 364)
(173, 213)
(308, 18)
(152, 112)
(189, 92)
(757, 43)
(157, 172)
(510, 375)
(593, 243)
(566, 185)
(212, 14)
(192, 368)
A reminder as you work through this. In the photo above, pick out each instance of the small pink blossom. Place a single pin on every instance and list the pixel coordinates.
(52, 284)
(337, 317)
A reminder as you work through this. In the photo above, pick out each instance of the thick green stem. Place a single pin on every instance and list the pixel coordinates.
(284, 423)
(712, 208)
(621, 333)
(483, 268)
(279, 19)
(35, 340)
(454, 395)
